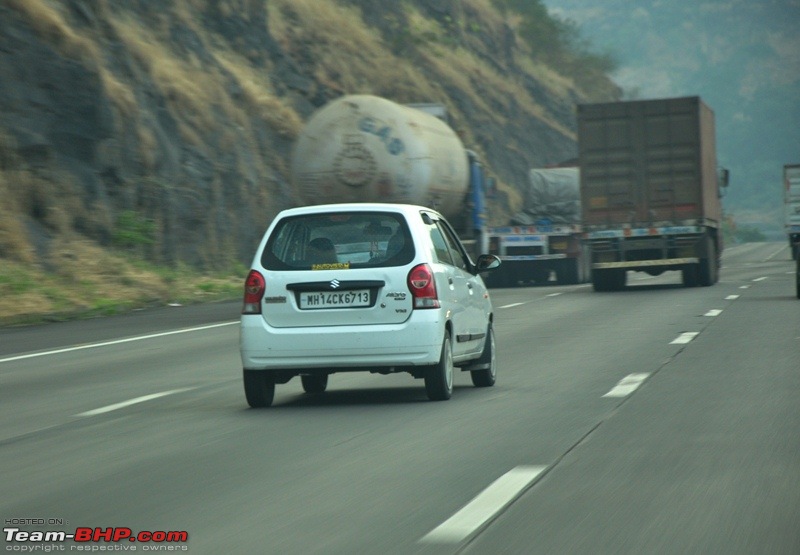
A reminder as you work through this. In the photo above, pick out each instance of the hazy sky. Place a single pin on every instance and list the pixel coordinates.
(742, 57)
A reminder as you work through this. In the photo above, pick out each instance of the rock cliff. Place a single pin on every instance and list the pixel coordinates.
(166, 125)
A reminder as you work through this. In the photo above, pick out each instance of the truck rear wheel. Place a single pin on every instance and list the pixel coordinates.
(568, 273)
(797, 278)
(620, 279)
(708, 264)
(600, 280)
(609, 280)
(689, 273)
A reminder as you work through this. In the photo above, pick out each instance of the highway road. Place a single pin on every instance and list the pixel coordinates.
(657, 419)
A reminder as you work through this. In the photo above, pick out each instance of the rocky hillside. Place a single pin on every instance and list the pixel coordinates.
(164, 127)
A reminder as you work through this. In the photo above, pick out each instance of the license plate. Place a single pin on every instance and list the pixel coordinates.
(334, 299)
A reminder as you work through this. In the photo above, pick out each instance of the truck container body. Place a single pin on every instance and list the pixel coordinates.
(543, 241)
(650, 197)
(791, 198)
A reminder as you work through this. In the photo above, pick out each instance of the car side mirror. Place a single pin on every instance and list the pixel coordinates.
(487, 262)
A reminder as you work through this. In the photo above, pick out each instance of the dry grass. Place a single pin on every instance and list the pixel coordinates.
(14, 243)
(121, 95)
(258, 94)
(92, 281)
(347, 55)
(189, 90)
(49, 24)
(464, 71)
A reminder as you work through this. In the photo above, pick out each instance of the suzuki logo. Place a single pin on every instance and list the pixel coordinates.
(334, 283)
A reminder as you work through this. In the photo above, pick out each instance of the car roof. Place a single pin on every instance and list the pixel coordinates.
(406, 209)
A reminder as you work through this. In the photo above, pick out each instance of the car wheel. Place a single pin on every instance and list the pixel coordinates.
(486, 376)
(259, 388)
(439, 377)
(314, 383)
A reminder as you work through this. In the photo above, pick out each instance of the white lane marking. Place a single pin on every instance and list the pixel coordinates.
(511, 305)
(743, 287)
(135, 401)
(484, 506)
(776, 253)
(731, 297)
(760, 279)
(553, 295)
(627, 385)
(713, 312)
(115, 342)
(685, 337)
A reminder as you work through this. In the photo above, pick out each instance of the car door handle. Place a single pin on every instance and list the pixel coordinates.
(450, 280)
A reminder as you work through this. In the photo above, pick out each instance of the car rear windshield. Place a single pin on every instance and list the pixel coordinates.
(339, 240)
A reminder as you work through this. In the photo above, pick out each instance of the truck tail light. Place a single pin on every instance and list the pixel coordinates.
(254, 289)
(422, 287)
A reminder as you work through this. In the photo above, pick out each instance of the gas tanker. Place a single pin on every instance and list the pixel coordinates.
(362, 148)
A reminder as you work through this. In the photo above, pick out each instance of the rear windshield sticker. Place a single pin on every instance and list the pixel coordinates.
(334, 266)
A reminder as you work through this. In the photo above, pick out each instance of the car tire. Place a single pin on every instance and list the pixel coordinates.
(314, 383)
(259, 388)
(439, 377)
(486, 377)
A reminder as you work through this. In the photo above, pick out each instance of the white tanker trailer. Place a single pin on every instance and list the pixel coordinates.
(363, 148)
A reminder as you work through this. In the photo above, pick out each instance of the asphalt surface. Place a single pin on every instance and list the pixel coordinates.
(658, 419)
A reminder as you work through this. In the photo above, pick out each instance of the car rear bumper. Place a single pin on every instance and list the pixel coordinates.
(415, 342)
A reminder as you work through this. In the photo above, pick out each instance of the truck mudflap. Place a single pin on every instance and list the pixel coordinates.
(632, 264)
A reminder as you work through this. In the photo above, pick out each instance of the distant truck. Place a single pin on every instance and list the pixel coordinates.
(791, 201)
(650, 190)
(543, 240)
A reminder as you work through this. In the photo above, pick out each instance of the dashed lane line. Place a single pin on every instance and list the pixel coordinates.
(475, 514)
(685, 337)
(135, 401)
(115, 342)
(627, 385)
(512, 305)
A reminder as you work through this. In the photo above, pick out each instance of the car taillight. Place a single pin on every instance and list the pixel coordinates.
(422, 287)
(254, 289)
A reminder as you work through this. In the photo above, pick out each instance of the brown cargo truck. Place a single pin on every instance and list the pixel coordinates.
(650, 190)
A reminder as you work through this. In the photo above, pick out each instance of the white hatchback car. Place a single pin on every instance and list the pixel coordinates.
(381, 288)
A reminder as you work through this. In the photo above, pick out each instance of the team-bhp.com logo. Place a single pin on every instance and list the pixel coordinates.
(84, 538)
